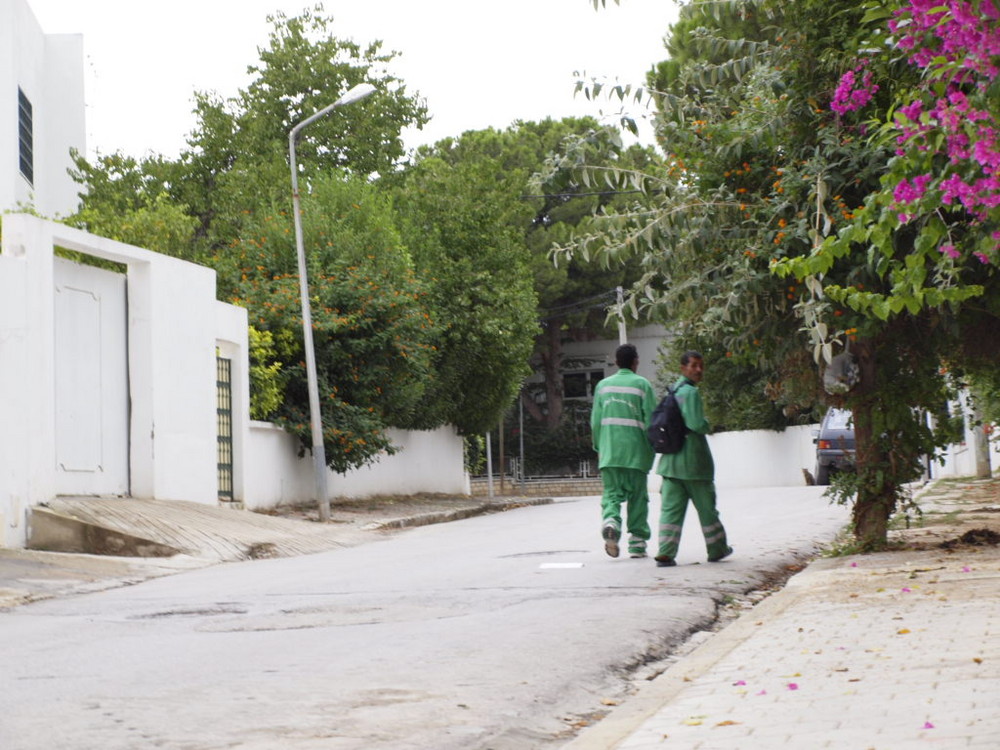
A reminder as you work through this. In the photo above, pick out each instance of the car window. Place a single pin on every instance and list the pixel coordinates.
(838, 419)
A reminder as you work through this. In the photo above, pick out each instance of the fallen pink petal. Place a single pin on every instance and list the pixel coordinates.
(740, 682)
(762, 692)
(928, 725)
(905, 590)
(966, 569)
(854, 565)
(793, 686)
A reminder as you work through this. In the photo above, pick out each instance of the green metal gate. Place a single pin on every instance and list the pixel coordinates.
(224, 410)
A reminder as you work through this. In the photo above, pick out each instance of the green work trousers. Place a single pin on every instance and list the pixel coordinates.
(627, 486)
(674, 495)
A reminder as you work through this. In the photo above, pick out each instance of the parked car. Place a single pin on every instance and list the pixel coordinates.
(834, 444)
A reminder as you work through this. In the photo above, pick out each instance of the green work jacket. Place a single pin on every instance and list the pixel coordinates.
(623, 404)
(694, 460)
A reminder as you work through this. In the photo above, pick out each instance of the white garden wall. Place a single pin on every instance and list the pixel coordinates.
(959, 459)
(429, 462)
(170, 448)
(173, 332)
(763, 458)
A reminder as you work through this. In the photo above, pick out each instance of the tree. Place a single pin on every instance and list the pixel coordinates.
(461, 223)
(230, 188)
(237, 153)
(129, 201)
(573, 297)
(930, 229)
(374, 334)
(576, 294)
(757, 174)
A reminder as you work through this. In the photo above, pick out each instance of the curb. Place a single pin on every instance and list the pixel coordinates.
(622, 722)
(426, 519)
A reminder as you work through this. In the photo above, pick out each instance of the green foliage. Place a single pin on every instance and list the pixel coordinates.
(398, 343)
(160, 226)
(760, 176)
(499, 219)
(267, 380)
(237, 154)
(240, 144)
(558, 451)
(474, 453)
(461, 220)
(372, 329)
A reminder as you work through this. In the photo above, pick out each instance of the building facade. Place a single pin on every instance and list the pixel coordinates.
(42, 113)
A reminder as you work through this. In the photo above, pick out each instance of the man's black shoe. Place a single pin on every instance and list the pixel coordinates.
(723, 556)
(665, 562)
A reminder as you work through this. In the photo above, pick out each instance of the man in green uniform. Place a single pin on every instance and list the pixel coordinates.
(623, 404)
(690, 474)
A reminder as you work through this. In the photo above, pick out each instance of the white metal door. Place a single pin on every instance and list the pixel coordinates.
(91, 368)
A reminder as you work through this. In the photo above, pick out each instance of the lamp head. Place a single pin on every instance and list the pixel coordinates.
(357, 93)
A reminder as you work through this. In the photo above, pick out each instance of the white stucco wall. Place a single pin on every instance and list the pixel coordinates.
(959, 459)
(48, 68)
(763, 458)
(430, 461)
(175, 330)
(16, 391)
(172, 338)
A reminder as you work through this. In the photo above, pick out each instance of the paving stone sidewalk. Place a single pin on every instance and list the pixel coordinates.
(888, 651)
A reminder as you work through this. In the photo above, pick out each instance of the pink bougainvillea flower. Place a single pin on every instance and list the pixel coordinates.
(762, 692)
(966, 569)
(740, 682)
(852, 94)
(928, 725)
(793, 686)
(854, 565)
(905, 590)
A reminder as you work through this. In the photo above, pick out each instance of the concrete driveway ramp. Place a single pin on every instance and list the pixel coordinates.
(51, 531)
(131, 527)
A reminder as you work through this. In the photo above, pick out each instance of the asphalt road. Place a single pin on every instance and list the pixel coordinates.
(501, 631)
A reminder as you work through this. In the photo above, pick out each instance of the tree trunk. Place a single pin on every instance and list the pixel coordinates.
(533, 409)
(552, 369)
(876, 498)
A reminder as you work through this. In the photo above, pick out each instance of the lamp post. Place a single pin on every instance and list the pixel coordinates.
(316, 419)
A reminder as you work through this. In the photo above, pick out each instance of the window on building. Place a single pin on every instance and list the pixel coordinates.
(581, 384)
(25, 137)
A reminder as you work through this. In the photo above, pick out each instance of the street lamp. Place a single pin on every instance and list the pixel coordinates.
(319, 452)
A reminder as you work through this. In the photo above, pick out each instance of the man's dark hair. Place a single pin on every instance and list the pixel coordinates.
(689, 355)
(626, 355)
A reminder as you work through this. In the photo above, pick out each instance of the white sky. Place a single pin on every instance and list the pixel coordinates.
(478, 63)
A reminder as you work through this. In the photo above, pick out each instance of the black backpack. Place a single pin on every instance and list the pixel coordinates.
(667, 430)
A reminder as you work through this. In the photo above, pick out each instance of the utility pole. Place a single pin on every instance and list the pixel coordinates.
(622, 334)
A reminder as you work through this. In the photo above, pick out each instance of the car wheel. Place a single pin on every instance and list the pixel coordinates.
(823, 475)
